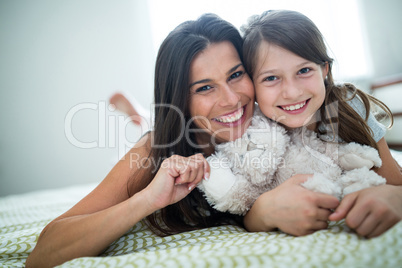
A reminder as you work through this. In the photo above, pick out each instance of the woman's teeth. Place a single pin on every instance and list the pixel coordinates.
(294, 107)
(231, 117)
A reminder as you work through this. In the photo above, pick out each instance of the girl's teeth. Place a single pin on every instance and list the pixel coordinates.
(294, 107)
(232, 118)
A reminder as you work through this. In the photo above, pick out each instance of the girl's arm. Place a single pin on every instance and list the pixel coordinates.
(389, 169)
(108, 212)
(372, 211)
(291, 208)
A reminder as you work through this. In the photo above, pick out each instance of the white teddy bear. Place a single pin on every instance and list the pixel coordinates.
(266, 155)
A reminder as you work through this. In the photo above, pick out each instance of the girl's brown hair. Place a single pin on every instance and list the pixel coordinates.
(295, 32)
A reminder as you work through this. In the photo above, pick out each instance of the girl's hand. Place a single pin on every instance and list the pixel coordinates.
(175, 179)
(291, 208)
(372, 211)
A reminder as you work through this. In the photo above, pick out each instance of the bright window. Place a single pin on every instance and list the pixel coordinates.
(339, 21)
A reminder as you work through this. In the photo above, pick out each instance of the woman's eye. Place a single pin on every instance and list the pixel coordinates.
(235, 75)
(203, 89)
(304, 70)
(270, 78)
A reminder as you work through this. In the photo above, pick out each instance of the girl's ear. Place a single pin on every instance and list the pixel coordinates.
(325, 69)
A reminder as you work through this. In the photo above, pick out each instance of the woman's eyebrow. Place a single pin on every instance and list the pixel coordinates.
(209, 80)
(200, 82)
(234, 68)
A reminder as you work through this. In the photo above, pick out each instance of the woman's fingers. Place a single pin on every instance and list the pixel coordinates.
(174, 180)
(191, 170)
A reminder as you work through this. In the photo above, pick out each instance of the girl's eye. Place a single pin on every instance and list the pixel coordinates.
(236, 75)
(304, 70)
(203, 89)
(270, 78)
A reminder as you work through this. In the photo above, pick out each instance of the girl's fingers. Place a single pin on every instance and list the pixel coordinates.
(326, 201)
(384, 225)
(356, 217)
(320, 225)
(344, 207)
(323, 214)
(368, 225)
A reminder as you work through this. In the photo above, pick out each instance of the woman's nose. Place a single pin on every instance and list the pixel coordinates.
(229, 97)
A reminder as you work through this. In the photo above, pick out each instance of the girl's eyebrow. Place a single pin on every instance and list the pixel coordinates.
(202, 81)
(266, 72)
(303, 63)
(273, 70)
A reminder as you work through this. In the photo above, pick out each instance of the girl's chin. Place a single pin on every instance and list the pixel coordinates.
(293, 125)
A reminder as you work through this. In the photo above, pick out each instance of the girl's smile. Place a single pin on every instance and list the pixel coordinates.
(289, 88)
(296, 107)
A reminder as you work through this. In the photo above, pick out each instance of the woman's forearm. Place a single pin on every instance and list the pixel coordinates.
(256, 220)
(86, 235)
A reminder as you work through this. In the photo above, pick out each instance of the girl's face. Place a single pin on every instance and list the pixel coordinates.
(289, 89)
(221, 92)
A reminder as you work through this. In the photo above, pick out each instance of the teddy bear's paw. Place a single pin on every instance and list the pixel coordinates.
(358, 179)
(353, 161)
(220, 182)
(321, 184)
(240, 198)
(354, 155)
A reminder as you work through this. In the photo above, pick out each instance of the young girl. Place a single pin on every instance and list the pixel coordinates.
(287, 59)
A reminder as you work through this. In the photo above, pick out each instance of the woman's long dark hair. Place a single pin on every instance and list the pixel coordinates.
(172, 116)
(295, 32)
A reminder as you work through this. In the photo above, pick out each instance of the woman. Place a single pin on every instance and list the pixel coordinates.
(203, 95)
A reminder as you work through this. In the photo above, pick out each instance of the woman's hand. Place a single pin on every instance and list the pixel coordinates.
(175, 179)
(372, 211)
(291, 208)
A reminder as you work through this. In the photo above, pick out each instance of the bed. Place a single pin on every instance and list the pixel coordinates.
(22, 217)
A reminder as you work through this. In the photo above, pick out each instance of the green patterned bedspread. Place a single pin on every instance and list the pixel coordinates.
(22, 217)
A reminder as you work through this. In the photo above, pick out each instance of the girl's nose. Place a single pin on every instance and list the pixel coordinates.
(290, 90)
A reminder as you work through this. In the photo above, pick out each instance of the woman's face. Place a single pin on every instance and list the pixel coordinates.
(221, 92)
(289, 89)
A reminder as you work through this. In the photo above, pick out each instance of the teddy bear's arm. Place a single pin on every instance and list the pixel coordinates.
(354, 155)
(226, 191)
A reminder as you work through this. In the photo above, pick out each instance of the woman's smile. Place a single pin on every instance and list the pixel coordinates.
(233, 118)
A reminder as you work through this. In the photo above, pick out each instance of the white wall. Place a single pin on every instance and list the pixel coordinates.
(383, 20)
(56, 55)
